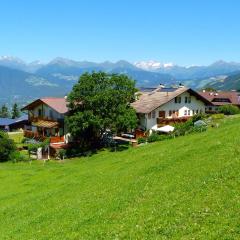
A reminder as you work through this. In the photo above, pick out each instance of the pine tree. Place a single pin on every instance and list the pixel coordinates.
(15, 111)
(4, 113)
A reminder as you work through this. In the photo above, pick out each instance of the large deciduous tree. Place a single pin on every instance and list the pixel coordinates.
(100, 102)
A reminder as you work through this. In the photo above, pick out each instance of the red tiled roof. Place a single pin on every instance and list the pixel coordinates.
(222, 98)
(58, 104)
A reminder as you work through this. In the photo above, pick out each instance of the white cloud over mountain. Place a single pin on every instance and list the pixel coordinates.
(152, 65)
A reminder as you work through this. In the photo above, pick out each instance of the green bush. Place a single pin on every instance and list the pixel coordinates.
(18, 157)
(198, 117)
(61, 153)
(182, 129)
(198, 129)
(33, 147)
(229, 110)
(154, 137)
(141, 140)
(7, 147)
(217, 116)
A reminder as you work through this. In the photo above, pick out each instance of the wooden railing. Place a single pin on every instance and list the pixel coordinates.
(167, 121)
(56, 139)
(35, 119)
(39, 137)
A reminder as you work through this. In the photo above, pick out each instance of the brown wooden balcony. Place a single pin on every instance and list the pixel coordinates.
(39, 137)
(169, 121)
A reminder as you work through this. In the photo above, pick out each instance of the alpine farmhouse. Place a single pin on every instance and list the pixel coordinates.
(154, 106)
(162, 106)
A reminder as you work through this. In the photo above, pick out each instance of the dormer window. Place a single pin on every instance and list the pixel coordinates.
(226, 100)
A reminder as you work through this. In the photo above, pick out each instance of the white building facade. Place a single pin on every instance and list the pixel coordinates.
(183, 105)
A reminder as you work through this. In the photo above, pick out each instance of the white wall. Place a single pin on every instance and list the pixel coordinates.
(195, 105)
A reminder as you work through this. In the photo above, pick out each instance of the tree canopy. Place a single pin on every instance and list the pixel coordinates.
(15, 111)
(7, 147)
(4, 113)
(100, 102)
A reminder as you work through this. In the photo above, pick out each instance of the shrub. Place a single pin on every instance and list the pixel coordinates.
(182, 129)
(18, 157)
(141, 140)
(229, 110)
(198, 117)
(199, 128)
(24, 140)
(61, 153)
(7, 147)
(33, 147)
(217, 116)
(153, 138)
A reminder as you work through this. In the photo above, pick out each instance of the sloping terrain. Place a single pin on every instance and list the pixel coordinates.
(231, 82)
(184, 188)
(19, 86)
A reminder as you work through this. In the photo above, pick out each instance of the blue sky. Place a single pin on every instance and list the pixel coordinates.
(181, 31)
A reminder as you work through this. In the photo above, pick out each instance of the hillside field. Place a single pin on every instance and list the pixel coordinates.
(184, 188)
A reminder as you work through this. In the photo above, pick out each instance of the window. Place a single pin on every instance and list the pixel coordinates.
(189, 112)
(178, 99)
(170, 113)
(187, 99)
(40, 112)
(51, 114)
(149, 115)
(193, 112)
(197, 111)
(185, 112)
(153, 114)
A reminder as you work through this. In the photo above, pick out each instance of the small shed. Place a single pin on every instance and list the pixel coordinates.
(8, 124)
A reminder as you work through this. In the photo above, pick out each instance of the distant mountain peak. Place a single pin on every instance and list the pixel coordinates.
(64, 61)
(11, 59)
(224, 63)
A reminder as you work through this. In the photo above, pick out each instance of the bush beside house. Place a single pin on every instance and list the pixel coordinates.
(229, 110)
(7, 148)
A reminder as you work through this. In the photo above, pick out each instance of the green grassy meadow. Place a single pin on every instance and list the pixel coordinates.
(183, 188)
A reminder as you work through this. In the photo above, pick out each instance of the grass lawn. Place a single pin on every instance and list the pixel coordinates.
(184, 188)
(17, 137)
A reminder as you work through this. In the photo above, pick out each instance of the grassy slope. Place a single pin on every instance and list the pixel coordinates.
(184, 188)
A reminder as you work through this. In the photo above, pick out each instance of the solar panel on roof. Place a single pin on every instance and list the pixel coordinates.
(147, 89)
(167, 89)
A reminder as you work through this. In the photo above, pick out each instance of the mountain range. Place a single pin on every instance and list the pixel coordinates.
(21, 81)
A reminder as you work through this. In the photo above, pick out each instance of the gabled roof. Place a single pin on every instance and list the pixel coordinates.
(150, 101)
(9, 121)
(58, 104)
(222, 98)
